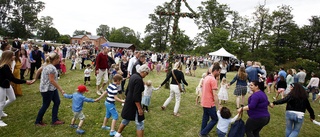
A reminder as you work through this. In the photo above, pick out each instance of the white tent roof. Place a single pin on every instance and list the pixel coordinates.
(222, 53)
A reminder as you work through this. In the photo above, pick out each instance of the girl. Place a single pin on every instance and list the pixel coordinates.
(24, 62)
(241, 85)
(199, 88)
(16, 72)
(63, 66)
(158, 67)
(281, 87)
(223, 93)
(6, 77)
(269, 82)
(146, 99)
(224, 116)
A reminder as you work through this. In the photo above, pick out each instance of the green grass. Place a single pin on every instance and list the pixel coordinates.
(158, 123)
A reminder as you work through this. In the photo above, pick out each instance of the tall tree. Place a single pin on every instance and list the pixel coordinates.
(21, 17)
(45, 29)
(103, 30)
(80, 32)
(125, 35)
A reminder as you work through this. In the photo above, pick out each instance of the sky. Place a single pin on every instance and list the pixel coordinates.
(71, 15)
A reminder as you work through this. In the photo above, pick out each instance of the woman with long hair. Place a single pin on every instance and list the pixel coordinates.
(49, 89)
(297, 104)
(241, 85)
(176, 76)
(16, 72)
(6, 77)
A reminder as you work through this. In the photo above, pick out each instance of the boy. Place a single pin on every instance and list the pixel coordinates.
(87, 73)
(112, 91)
(77, 103)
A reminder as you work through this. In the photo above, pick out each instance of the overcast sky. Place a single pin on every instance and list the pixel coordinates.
(71, 15)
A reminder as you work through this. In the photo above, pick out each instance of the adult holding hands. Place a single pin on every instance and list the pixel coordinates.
(49, 89)
(257, 109)
(297, 104)
(6, 77)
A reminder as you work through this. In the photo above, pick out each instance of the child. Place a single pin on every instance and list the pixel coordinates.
(77, 103)
(281, 87)
(146, 99)
(224, 116)
(63, 66)
(87, 74)
(269, 82)
(110, 104)
(223, 93)
(188, 71)
(158, 67)
(73, 59)
(199, 88)
(112, 71)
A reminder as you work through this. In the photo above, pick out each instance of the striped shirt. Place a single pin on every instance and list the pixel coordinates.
(112, 91)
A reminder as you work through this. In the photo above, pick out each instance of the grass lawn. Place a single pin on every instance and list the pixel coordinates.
(22, 113)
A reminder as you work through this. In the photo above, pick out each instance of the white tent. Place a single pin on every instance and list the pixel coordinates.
(222, 53)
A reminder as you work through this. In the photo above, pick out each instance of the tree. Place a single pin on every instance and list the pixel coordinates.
(103, 30)
(45, 29)
(19, 17)
(183, 43)
(65, 39)
(125, 35)
(81, 32)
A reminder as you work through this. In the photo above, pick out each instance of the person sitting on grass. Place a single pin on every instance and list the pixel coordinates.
(111, 110)
(77, 103)
(224, 116)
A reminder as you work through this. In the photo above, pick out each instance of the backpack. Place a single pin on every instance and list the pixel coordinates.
(237, 128)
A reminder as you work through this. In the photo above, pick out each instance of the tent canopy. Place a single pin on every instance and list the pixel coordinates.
(222, 53)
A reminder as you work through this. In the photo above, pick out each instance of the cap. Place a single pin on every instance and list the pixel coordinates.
(82, 88)
(105, 45)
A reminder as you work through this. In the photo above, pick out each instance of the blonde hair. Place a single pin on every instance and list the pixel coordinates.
(204, 75)
(224, 80)
(51, 57)
(6, 58)
(149, 83)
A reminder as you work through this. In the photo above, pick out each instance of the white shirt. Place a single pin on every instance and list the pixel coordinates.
(87, 72)
(148, 90)
(154, 57)
(131, 63)
(223, 124)
(314, 82)
(301, 76)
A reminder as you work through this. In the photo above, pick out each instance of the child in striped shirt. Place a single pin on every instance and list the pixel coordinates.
(112, 91)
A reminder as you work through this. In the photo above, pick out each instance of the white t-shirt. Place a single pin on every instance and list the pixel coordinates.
(87, 72)
(223, 124)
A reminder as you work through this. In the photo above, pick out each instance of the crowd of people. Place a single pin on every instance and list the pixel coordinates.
(116, 65)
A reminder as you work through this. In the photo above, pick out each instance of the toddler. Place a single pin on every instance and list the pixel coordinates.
(158, 67)
(73, 59)
(87, 74)
(77, 103)
(223, 92)
(224, 116)
(63, 66)
(111, 110)
(199, 88)
(146, 98)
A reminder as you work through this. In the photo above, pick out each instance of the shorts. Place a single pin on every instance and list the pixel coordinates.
(102, 74)
(139, 125)
(79, 115)
(280, 90)
(111, 110)
(86, 79)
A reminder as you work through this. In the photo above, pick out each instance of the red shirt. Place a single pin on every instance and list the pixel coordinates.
(101, 61)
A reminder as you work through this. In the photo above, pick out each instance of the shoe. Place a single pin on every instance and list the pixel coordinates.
(4, 114)
(203, 135)
(80, 131)
(2, 124)
(40, 124)
(177, 114)
(146, 111)
(274, 98)
(99, 93)
(105, 128)
(73, 126)
(163, 107)
(58, 122)
(318, 115)
(112, 133)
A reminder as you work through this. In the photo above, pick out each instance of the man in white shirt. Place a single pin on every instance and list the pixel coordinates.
(301, 75)
(132, 61)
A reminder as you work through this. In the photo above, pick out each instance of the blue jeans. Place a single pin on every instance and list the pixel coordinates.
(207, 127)
(293, 124)
(220, 133)
(47, 97)
(139, 125)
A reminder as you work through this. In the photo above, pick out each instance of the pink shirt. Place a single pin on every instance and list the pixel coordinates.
(207, 98)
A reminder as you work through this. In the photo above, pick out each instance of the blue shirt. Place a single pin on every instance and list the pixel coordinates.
(239, 81)
(77, 101)
(282, 73)
(253, 73)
